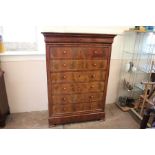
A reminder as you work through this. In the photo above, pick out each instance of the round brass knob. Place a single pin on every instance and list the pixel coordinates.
(93, 76)
(64, 99)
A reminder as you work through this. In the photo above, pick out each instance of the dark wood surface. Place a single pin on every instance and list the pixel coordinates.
(77, 72)
(4, 107)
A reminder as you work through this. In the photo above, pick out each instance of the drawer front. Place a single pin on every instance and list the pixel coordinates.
(91, 106)
(73, 65)
(68, 65)
(77, 98)
(77, 107)
(62, 77)
(77, 88)
(79, 52)
(78, 76)
(96, 64)
(97, 52)
(60, 109)
(97, 106)
(62, 99)
(61, 52)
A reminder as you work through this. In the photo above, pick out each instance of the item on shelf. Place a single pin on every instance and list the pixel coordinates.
(149, 28)
(131, 65)
(127, 67)
(122, 101)
(137, 28)
(134, 69)
(2, 48)
(126, 101)
(152, 77)
(142, 29)
(127, 85)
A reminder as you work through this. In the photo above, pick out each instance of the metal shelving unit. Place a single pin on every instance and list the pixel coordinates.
(138, 57)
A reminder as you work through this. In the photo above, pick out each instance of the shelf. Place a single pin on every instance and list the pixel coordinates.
(146, 69)
(140, 31)
(139, 53)
(140, 86)
(125, 108)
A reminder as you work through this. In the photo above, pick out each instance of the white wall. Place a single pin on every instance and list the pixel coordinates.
(26, 81)
(26, 85)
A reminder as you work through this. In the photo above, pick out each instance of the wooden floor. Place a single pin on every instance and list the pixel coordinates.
(115, 119)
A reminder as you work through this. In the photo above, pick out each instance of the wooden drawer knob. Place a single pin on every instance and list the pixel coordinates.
(64, 88)
(92, 86)
(64, 52)
(64, 77)
(93, 76)
(64, 65)
(91, 97)
(95, 52)
(64, 99)
(94, 64)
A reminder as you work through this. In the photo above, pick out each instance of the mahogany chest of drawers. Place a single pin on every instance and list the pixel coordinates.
(77, 74)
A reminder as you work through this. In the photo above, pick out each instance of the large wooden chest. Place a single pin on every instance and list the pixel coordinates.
(77, 74)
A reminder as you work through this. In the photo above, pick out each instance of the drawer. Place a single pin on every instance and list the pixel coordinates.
(76, 98)
(78, 76)
(89, 76)
(86, 106)
(59, 109)
(89, 97)
(77, 88)
(67, 65)
(74, 65)
(97, 105)
(82, 107)
(62, 77)
(95, 86)
(78, 107)
(96, 64)
(62, 88)
(79, 52)
(62, 99)
(93, 97)
(97, 52)
(97, 75)
(61, 52)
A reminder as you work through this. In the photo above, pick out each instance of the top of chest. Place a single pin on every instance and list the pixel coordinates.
(53, 37)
